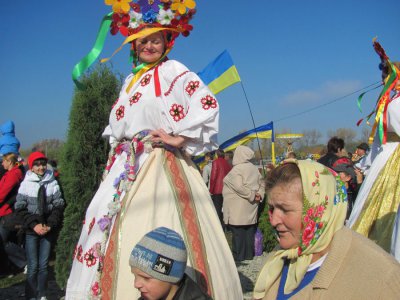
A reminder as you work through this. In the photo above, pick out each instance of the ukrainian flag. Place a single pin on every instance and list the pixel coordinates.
(265, 131)
(220, 73)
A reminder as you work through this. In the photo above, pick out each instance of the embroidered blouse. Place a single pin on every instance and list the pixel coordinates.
(168, 97)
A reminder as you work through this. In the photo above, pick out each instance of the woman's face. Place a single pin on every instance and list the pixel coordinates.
(39, 168)
(7, 164)
(150, 48)
(285, 212)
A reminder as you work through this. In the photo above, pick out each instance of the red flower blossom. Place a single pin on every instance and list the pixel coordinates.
(139, 147)
(135, 98)
(90, 258)
(135, 7)
(316, 174)
(120, 112)
(182, 25)
(96, 289)
(120, 23)
(177, 112)
(192, 87)
(208, 102)
(308, 233)
(319, 211)
(146, 80)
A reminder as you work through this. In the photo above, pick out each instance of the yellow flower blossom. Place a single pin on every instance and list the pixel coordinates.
(180, 5)
(119, 6)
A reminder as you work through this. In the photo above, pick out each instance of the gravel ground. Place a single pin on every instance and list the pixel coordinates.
(248, 271)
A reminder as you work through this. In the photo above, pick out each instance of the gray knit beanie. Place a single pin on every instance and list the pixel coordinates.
(161, 253)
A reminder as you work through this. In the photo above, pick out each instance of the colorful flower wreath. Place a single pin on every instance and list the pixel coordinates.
(129, 17)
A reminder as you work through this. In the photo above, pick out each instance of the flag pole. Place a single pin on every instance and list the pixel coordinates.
(273, 145)
(254, 125)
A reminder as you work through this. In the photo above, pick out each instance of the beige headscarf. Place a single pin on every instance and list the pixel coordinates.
(324, 212)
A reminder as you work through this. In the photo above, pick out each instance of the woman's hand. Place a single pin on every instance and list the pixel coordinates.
(160, 135)
(40, 229)
(258, 197)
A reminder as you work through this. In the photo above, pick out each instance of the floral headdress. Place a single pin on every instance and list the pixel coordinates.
(136, 19)
(129, 17)
(324, 212)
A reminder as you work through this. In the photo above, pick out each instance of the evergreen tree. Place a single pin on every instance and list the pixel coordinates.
(83, 159)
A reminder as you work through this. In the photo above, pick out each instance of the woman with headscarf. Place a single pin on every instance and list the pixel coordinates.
(317, 257)
(243, 190)
(163, 113)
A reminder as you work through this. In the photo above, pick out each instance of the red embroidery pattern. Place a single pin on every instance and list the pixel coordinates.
(209, 102)
(192, 87)
(146, 80)
(91, 225)
(191, 225)
(79, 256)
(90, 258)
(173, 83)
(120, 112)
(135, 98)
(177, 112)
(115, 103)
(108, 271)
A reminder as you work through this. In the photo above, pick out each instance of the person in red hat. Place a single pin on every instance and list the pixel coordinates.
(41, 206)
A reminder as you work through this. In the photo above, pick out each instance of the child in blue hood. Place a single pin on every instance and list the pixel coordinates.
(8, 142)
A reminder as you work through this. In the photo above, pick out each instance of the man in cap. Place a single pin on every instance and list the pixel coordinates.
(360, 152)
(158, 262)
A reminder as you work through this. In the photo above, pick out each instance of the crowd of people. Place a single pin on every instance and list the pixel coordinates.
(31, 213)
(156, 227)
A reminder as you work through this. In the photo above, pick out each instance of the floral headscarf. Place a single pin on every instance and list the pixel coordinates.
(324, 212)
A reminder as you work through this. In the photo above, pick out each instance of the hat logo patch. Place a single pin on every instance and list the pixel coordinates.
(163, 265)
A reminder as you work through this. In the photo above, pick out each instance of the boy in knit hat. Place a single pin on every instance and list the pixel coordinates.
(158, 262)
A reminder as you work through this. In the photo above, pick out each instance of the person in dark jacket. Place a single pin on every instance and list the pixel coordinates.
(41, 206)
(335, 149)
(158, 262)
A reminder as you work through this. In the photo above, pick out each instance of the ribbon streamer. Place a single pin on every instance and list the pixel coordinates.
(89, 59)
(383, 102)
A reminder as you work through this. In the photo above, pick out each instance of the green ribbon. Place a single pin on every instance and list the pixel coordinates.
(391, 79)
(362, 95)
(90, 58)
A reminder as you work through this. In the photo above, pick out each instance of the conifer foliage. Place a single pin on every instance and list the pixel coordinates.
(83, 159)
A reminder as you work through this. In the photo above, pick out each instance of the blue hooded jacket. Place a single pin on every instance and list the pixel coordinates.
(8, 142)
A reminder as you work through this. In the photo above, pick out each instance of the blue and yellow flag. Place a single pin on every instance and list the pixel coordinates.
(220, 73)
(263, 132)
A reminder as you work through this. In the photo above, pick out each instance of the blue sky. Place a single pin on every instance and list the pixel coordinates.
(292, 56)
